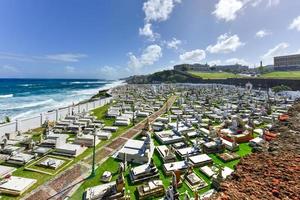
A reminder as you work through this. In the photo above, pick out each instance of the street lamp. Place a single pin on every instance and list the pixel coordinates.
(133, 114)
(93, 174)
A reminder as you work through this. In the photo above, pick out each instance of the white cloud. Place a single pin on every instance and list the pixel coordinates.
(295, 24)
(107, 69)
(255, 3)
(237, 61)
(273, 2)
(158, 10)
(214, 62)
(297, 52)
(227, 9)
(70, 69)
(276, 51)
(66, 57)
(262, 33)
(149, 56)
(174, 43)
(108, 72)
(9, 68)
(226, 44)
(230, 61)
(16, 57)
(147, 32)
(193, 56)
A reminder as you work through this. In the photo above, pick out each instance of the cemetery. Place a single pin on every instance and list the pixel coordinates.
(197, 141)
(152, 147)
(15, 185)
(49, 164)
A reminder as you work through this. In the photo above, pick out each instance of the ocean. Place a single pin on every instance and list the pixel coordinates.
(20, 98)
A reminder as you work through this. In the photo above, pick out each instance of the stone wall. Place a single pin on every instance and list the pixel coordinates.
(294, 84)
(256, 82)
(23, 125)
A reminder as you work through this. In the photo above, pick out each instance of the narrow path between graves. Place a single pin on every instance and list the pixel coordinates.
(78, 172)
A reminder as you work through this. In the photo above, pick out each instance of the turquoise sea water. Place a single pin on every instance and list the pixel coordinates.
(21, 98)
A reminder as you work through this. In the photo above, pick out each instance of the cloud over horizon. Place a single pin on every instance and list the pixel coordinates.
(149, 56)
(226, 43)
(193, 56)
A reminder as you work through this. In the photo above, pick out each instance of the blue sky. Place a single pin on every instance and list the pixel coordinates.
(117, 38)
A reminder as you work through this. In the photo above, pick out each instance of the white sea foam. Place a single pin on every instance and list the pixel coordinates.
(87, 82)
(24, 93)
(6, 96)
(25, 114)
(28, 105)
(95, 90)
(34, 105)
(26, 85)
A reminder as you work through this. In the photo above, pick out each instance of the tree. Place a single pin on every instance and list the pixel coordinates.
(7, 119)
(281, 88)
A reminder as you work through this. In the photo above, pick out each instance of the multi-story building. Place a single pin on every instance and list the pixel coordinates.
(203, 68)
(287, 61)
(194, 67)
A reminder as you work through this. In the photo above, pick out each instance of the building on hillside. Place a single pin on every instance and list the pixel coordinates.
(194, 67)
(231, 68)
(214, 68)
(286, 63)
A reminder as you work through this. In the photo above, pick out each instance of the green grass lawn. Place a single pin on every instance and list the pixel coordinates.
(41, 178)
(110, 165)
(36, 134)
(213, 75)
(244, 150)
(35, 167)
(282, 75)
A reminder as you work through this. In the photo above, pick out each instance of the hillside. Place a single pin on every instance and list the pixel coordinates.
(282, 75)
(166, 76)
(267, 80)
(213, 75)
(174, 76)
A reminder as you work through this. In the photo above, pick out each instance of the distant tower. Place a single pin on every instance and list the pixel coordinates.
(261, 63)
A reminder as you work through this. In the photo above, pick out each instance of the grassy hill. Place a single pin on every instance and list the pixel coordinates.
(213, 75)
(166, 76)
(282, 75)
(174, 76)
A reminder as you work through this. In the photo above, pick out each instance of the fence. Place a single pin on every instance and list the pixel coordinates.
(23, 125)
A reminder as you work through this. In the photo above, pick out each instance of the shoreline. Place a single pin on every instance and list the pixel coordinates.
(31, 112)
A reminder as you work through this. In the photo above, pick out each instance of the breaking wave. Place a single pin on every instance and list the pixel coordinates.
(6, 96)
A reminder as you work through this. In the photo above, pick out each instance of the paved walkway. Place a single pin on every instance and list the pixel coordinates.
(69, 181)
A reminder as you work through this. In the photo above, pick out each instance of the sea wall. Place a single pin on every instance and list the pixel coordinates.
(23, 125)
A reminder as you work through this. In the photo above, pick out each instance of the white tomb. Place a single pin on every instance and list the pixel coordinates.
(16, 185)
